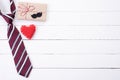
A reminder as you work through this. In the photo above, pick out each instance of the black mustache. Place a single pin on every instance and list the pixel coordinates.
(36, 15)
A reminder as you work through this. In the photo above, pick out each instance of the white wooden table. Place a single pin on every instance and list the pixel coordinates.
(79, 41)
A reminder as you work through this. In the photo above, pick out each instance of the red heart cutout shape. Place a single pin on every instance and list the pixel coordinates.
(28, 31)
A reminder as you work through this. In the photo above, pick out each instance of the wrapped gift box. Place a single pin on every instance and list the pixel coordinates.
(31, 11)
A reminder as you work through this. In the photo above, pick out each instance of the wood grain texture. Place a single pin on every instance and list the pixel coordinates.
(71, 32)
(67, 61)
(68, 47)
(79, 41)
(73, 5)
(78, 5)
(62, 74)
(76, 18)
(81, 18)
(7, 66)
(76, 61)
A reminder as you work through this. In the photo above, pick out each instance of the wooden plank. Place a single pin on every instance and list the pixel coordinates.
(63, 74)
(76, 74)
(7, 66)
(76, 61)
(79, 18)
(67, 47)
(74, 5)
(67, 61)
(80, 26)
(75, 18)
(71, 32)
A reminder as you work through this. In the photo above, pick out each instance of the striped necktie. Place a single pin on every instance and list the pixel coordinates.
(21, 59)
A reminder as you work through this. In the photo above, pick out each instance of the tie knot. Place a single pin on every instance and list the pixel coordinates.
(9, 18)
(12, 18)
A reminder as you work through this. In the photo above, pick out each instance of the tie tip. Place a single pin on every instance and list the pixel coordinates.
(26, 75)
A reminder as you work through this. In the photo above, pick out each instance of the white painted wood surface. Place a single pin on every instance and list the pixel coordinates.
(79, 41)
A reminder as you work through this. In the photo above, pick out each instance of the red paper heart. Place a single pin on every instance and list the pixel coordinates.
(28, 31)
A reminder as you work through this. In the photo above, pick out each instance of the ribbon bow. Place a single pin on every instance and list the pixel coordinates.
(25, 9)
